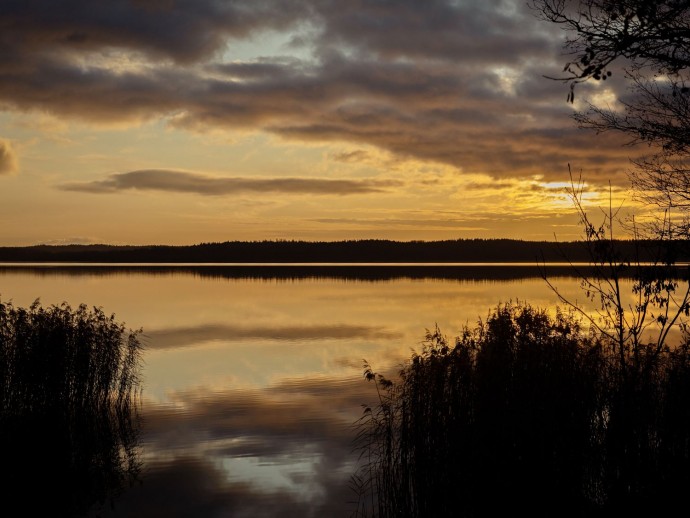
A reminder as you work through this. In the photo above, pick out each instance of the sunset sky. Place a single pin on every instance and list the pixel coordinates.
(187, 121)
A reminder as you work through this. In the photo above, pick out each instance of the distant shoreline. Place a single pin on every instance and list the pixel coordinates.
(345, 252)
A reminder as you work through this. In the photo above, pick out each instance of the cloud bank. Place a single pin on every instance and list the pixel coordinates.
(194, 183)
(454, 82)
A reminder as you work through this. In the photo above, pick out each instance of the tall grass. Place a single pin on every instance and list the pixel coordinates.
(527, 413)
(69, 392)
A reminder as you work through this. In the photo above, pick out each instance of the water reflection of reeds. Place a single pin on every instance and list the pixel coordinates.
(69, 396)
(526, 414)
(367, 272)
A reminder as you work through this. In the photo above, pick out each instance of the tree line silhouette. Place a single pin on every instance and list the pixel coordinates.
(353, 251)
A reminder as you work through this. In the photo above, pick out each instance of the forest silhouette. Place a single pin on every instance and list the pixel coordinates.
(354, 251)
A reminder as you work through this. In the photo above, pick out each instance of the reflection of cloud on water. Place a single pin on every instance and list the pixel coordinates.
(191, 486)
(186, 336)
(283, 451)
(245, 422)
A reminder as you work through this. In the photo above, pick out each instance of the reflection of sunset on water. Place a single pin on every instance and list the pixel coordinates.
(253, 333)
(206, 333)
(253, 385)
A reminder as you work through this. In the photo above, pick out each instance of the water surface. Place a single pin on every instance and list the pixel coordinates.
(253, 375)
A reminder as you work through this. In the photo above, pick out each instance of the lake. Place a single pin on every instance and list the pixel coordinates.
(252, 376)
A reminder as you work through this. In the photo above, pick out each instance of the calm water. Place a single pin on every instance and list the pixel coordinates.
(253, 377)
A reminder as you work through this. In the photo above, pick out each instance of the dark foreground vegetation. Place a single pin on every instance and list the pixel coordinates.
(367, 251)
(526, 414)
(69, 392)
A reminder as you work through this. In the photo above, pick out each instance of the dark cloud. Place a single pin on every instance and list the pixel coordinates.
(455, 82)
(181, 337)
(349, 157)
(461, 32)
(181, 30)
(481, 186)
(180, 181)
(8, 158)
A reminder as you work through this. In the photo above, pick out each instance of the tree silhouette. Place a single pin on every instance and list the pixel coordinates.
(650, 43)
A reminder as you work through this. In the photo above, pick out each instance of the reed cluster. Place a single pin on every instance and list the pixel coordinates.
(69, 394)
(527, 413)
(59, 358)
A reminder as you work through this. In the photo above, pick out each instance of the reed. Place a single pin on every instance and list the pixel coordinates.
(69, 396)
(526, 413)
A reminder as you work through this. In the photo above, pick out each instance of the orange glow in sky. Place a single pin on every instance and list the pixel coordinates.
(183, 122)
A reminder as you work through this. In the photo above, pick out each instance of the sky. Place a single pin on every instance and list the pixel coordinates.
(189, 121)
